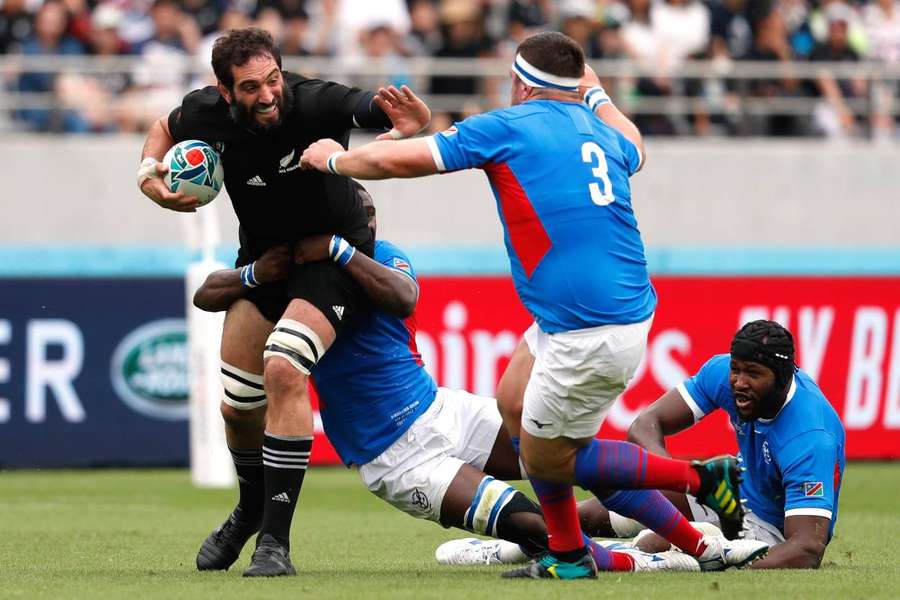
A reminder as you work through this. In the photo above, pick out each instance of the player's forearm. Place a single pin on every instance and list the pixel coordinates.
(387, 159)
(390, 291)
(219, 291)
(158, 140)
(792, 554)
(647, 432)
(612, 116)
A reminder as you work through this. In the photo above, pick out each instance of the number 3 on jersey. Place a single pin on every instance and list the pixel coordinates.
(592, 154)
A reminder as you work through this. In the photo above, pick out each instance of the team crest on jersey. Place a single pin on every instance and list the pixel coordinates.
(813, 489)
(284, 164)
(401, 265)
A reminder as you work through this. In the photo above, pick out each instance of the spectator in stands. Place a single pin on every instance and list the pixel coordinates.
(269, 18)
(424, 37)
(79, 20)
(95, 96)
(204, 13)
(730, 34)
(833, 117)
(770, 44)
(161, 76)
(49, 38)
(463, 38)
(578, 20)
(296, 29)
(355, 17)
(382, 53)
(642, 44)
(15, 26)
(881, 19)
(232, 18)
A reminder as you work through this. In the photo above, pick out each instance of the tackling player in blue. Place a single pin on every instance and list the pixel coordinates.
(560, 177)
(432, 452)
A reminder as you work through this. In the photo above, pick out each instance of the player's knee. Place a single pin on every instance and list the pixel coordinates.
(509, 402)
(242, 419)
(292, 350)
(282, 377)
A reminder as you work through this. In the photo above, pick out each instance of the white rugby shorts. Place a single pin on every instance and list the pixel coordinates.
(754, 527)
(414, 473)
(577, 375)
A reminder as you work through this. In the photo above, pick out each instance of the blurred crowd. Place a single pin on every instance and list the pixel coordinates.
(659, 35)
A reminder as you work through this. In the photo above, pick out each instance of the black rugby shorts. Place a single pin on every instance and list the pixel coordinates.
(323, 284)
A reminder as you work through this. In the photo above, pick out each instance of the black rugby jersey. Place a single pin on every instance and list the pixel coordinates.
(276, 201)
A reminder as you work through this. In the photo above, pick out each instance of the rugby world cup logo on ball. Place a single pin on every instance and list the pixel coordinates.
(149, 369)
(195, 169)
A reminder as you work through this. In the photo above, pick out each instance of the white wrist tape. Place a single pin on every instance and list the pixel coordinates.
(331, 162)
(147, 170)
(340, 250)
(395, 134)
(596, 96)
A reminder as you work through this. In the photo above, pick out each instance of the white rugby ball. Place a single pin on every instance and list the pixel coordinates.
(195, 168)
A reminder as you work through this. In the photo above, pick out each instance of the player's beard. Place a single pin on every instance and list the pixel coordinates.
(245, 117)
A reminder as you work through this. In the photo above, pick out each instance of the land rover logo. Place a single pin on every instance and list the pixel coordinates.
(150, 369)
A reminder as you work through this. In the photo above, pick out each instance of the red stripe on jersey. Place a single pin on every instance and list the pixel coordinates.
(410, 323)
(527, 235)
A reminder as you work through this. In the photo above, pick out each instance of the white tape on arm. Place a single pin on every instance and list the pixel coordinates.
(147, 170)
(331, 162)
(595, 97)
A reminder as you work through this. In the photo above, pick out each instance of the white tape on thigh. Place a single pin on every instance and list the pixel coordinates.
(490, 498)
(296, 343)
(243, 390)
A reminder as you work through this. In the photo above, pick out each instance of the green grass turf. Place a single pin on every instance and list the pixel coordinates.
(134, 534)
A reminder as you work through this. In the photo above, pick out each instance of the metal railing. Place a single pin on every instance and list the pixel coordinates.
(717, 88)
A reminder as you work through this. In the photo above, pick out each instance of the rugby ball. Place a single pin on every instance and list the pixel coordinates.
(195, 169)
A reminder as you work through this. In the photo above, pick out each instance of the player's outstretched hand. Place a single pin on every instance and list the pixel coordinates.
(317, 153)
(156, 189)
(312, 249)
(408, 114)
(273, 265)
(588, 80)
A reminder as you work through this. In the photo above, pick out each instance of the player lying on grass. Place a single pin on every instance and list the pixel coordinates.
(432, 452)
(790, 438)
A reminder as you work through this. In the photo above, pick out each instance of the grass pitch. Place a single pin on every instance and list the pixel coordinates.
(134, 534)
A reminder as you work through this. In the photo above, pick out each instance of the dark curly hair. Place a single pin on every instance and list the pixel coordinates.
(237, 47)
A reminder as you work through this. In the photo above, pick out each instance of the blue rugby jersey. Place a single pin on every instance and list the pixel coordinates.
(372, 383)
(795, 461)
(560, 179)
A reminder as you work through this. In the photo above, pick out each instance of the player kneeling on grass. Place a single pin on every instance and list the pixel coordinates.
(790, 438)
(432, 452)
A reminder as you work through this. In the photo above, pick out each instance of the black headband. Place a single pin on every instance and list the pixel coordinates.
(769, 344)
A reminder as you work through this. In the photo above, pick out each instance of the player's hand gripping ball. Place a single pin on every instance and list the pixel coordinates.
(195, 169)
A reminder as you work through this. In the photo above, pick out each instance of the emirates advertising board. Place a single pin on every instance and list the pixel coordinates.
(94, 372)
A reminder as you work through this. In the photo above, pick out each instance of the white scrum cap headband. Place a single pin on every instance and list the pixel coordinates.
(531, 75)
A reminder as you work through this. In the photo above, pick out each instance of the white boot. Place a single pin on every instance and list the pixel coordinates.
(722, 553)
(473, 551)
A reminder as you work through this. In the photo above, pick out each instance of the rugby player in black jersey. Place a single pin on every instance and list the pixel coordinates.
(261, 119)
